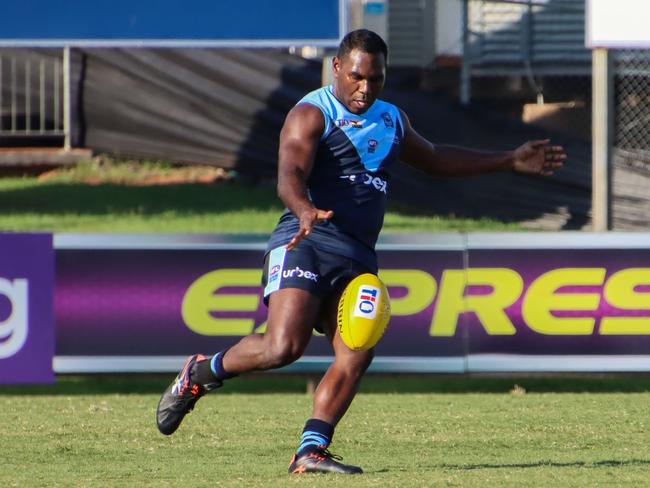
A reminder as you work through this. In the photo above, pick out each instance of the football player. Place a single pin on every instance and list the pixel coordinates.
(337, 148)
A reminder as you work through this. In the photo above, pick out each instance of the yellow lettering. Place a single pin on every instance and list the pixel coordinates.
(619, 292)
(200, 301)
(506, 287)
(450, 303)
(420, 290)
(542, 298)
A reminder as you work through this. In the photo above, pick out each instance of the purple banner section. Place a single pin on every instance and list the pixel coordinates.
(132, 302)
(165, 302)
(26, 312)
(412, 278)
(559, 302)
(555, 303)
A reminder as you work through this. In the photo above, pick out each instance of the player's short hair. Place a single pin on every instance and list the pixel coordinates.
(365, 41)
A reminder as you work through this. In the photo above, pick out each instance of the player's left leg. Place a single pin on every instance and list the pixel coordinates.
(340, 383)
(332, 398)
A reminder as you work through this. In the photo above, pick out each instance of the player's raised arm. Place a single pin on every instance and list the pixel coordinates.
(299, 139)
(533, 157)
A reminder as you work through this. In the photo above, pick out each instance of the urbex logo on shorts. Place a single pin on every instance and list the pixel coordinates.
(13, 330)
(367, 300)
(299, 273)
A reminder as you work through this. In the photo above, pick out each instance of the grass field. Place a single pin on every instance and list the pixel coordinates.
(404, 431)
(112, 203)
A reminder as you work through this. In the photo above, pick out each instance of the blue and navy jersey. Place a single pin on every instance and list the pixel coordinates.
(350, 176)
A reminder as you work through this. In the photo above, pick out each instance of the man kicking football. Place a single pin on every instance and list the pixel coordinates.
(337, 148)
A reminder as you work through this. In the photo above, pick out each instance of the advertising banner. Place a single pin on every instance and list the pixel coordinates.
(514, 303)
(26, 312)
(126, 302)
(559, 303)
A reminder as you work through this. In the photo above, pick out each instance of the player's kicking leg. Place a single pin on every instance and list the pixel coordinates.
(180, 397)
(292, 313)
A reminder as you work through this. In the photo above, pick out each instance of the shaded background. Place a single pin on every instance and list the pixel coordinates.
(225, 107)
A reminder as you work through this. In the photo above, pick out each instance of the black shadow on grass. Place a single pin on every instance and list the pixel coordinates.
(59, 198)
(504, 383)
(538, 464)
(269, 383)
(551, 464)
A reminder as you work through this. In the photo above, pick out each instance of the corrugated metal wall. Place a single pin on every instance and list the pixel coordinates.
(411, 34)
(506, 35)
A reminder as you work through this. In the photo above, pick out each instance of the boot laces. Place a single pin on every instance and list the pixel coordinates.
(324, 453)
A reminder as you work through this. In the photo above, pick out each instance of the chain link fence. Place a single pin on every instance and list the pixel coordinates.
(631, 140)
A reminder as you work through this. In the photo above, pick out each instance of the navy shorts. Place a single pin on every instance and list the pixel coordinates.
(308, 268)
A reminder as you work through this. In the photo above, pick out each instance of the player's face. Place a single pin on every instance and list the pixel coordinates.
(358, 79)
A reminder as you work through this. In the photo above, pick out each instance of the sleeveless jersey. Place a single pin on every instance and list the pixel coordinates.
(350, 176)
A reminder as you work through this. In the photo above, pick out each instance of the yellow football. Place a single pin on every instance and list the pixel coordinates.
(364, 312)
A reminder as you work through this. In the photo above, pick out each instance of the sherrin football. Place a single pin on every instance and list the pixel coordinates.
(364, 312)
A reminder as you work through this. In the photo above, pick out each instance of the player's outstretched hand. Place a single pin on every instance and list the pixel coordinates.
(308, 219)
(539, 158)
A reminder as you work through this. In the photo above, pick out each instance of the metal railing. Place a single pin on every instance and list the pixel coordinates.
(33, 96)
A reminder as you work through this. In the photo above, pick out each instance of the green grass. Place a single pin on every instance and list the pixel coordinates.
(404, 431)
(66, 204)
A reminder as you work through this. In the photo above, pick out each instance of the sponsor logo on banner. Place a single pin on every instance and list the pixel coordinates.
(617, 304)
(14, 328)
(444, 303)
(367, 301)
(26, 312)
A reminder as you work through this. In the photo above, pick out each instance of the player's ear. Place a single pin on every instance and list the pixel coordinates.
(336, 66)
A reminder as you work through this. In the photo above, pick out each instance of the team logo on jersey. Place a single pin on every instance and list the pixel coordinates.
(372, 145)
(388, 120)
(355, 124)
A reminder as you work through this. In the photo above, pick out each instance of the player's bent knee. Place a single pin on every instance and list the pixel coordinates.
(282, 354)
(355, 364)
